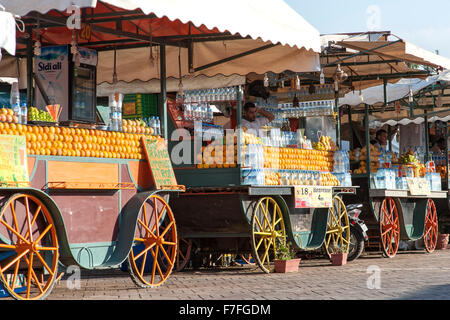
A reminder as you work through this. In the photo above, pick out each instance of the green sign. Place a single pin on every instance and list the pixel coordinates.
(159, 162)
(13, 161)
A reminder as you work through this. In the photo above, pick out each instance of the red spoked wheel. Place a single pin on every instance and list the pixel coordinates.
(389, 227)
(183, 253)
(29, 250)
(152, 257)
(431, 227)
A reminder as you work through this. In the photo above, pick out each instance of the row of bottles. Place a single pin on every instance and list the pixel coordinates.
(208, 95)
(20, 110)
(155, 123)
(198, 112)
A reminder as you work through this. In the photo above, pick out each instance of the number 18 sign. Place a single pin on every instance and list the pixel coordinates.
(313, 197)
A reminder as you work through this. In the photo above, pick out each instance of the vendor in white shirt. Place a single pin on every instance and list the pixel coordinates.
(250, 120)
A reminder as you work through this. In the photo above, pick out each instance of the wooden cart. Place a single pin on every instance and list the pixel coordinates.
(84, 212)
(254, 220)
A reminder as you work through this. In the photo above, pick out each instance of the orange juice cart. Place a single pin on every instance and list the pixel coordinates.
(83, 211)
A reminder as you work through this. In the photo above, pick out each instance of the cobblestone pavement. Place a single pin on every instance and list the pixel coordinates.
(408, 276)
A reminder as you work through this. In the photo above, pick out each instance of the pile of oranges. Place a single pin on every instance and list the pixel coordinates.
(7, 115)
(136, 126)
(217, 157)
(77, 142)
(298, 159)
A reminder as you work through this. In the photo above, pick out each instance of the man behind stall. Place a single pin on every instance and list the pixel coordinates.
(250, 119)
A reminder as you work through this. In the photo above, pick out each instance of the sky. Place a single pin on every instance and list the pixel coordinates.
(423, 23)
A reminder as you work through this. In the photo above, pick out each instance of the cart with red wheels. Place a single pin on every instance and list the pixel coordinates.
(402, 216)
(92, 213)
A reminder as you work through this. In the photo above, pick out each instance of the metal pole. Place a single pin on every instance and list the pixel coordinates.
(338, 122)
(163, 95)
(30, 68)
(427, 137)
(366, 123)
(352, 144)
(446, 158)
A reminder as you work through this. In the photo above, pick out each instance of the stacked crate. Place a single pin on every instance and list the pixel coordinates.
(139, 105)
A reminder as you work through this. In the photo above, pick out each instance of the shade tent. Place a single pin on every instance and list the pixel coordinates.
(401, 89)
(374, 58)
(172, 84)
(211, 37)
(269, 20)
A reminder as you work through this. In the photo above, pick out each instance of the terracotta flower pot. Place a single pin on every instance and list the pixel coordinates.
(339, 259)
(442, 241)
(284, 266)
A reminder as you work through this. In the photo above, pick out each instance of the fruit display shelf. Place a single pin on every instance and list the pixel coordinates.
(77, 142)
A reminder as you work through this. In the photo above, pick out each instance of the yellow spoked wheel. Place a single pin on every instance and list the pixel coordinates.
(268, 231)
(152, 257)
(338, 228)
(28, 248)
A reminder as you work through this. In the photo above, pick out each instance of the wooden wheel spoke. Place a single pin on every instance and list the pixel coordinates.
(146, 228)
(167, 228)
(30, 269)
(144, 259)
(7, 246)
(44, 264)
(144, 251)
(14, 261)
(14, 231)
(34, 276)
(259, 243)
(169, 260)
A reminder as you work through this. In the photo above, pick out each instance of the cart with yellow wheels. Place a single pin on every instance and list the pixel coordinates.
(91, 213)
(254, 220)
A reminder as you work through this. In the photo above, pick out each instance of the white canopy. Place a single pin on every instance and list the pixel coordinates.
(268, 20)
(8, 33)
(154, 86)
(396, 91)
(290, 42)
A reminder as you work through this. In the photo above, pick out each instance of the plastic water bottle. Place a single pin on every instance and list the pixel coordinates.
(15, 100)
(158, 126)
(24, 113)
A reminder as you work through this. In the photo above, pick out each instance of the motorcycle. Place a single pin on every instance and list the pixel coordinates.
(358, 232)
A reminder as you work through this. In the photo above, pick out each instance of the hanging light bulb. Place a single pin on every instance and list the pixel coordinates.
(266, 80)
(336, 86)
(410, 96)
(298, 84)
(322, 77)
(438, 102)
(37, 48)
(115, 80)
(361, 97)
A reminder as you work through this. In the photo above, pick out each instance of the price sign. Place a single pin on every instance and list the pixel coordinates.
(159, 162)
(419, 186)
(13, 161)
(313, 197)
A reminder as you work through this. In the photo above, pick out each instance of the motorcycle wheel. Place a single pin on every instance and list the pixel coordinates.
(356, 244)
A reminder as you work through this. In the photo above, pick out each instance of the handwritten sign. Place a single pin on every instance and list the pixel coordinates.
(419, 186)
(313, 197)
(13, 161)
(159, 162)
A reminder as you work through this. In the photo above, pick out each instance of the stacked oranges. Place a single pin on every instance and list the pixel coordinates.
(7, 115)
(77, 142)
(217, 156)
(298, 159)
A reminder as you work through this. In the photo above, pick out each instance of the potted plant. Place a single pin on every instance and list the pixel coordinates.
(442, 240)
(286, 258)
(339, 256)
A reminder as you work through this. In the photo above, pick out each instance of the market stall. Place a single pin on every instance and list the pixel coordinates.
(404, 192)
(95, 195)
